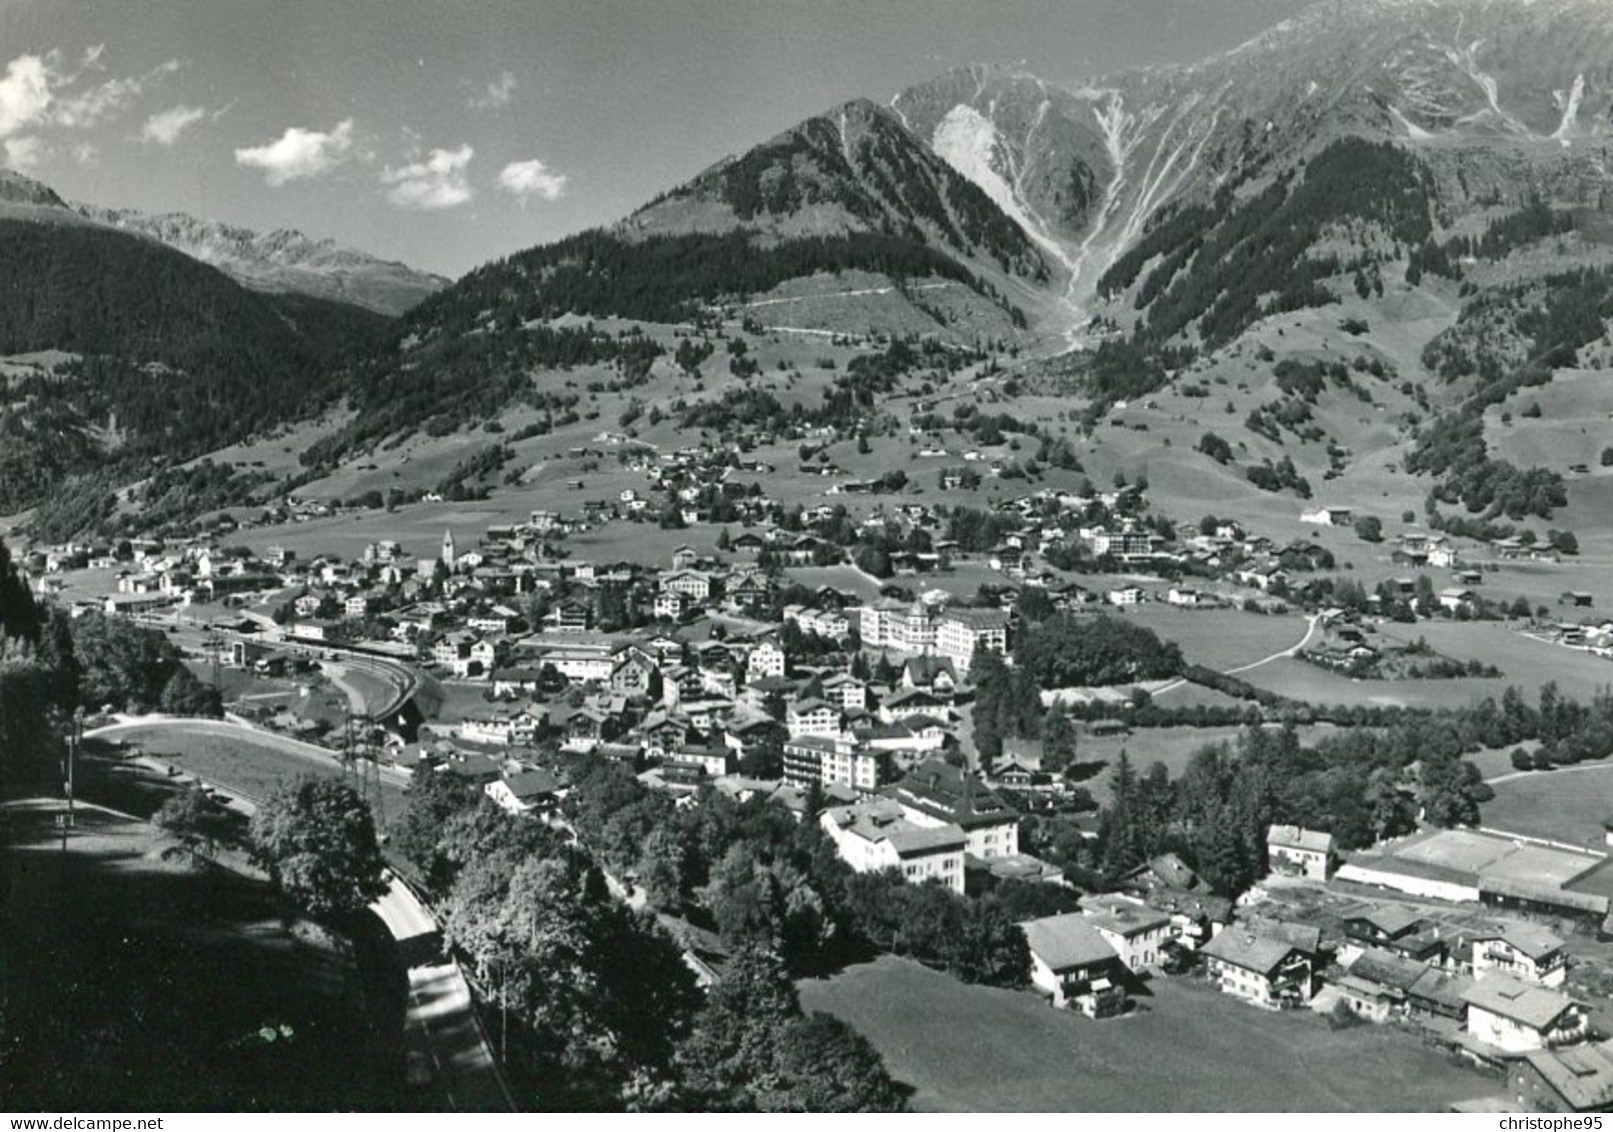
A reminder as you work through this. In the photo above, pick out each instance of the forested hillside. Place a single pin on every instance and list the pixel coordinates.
(173, 359)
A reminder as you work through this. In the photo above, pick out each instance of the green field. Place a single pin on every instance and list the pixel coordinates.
(1188, 1048)
(243, 762)
(1566, 805)
(1222, 638)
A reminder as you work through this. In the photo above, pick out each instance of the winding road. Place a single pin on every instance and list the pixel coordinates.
(440, 1020)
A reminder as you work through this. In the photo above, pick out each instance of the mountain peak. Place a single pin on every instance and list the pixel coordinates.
(18, 189)
(281, 260)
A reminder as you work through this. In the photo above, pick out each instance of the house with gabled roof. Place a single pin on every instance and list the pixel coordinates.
(1525, 951)
(1270, 973)
(1514, 1016)
(1074, 965)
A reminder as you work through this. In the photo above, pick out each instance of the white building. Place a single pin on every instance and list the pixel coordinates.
(765, 660)
(1515, 1016)
(1527, 952)
(813, 716)
(962, 633)
(874, 835)
(1294, 851)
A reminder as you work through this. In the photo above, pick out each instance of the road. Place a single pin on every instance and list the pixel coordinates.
(440, 1020)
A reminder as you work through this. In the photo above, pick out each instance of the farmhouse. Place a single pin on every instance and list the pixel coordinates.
(1294, 851)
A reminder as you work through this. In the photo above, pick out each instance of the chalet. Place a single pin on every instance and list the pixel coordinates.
(514, 681)
(1137, 932)
(569, 617)
(1166, 871)
(1524, 951)
(1457, 598)
(691, 583)
(525, 792)
(911, 702)
(1394, 929)
(702, 761)
(935, 673)
(766, 659)
(1074, 965)
(634, 673)
(1270, 973)
(501, 724)
(846, 690)
(1515, 1016)
(1328, 516)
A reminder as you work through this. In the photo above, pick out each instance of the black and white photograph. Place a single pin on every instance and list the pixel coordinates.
(805, 556)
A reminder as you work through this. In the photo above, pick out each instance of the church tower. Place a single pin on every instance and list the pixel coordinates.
(448, 556)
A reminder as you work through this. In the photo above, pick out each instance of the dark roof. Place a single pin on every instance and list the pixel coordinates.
(532, 783)
(1388, 970)
(952, 794)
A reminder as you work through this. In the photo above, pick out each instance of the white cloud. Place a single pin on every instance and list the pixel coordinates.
(25, 93)
(532, 179)
(437, 182)
(497, 93)
(165, 126)
(299, 153)
(24, 152)
(108, 99)
(86, 154)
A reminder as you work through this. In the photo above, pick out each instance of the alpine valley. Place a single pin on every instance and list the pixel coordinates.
(1360, 255)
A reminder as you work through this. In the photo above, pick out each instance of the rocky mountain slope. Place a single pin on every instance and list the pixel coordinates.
(1500, 99)
(282, 261)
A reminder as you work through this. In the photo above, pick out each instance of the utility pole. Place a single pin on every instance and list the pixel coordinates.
(74, 736)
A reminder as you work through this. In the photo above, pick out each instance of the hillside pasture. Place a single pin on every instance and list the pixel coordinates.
(1187, 1047)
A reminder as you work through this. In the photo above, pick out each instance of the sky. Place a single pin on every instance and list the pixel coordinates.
(450, 133)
